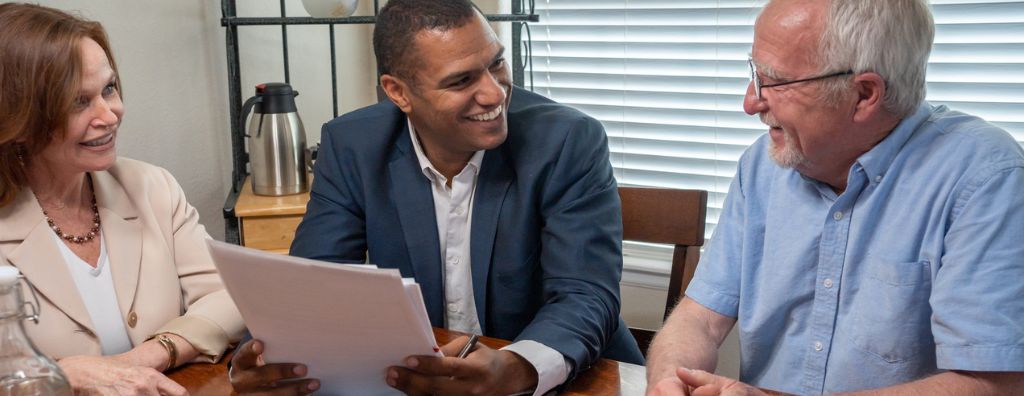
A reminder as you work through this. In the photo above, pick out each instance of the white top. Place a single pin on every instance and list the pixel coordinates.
(453, 211)
(96, 287)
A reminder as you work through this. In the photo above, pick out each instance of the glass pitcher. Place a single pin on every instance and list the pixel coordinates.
(23, 370)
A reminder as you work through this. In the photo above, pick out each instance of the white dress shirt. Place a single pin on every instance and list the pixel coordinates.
(453, 210)
(96, 286)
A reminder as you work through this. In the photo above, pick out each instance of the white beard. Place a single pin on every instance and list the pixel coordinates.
(786, 156)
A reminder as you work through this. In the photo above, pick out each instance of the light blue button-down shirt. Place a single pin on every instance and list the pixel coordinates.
(916, 268)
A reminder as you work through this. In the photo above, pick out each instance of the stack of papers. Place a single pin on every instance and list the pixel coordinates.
(347, 323)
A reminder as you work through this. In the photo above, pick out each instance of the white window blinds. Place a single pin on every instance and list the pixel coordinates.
(667, 78)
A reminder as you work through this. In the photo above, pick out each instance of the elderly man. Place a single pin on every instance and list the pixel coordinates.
(499, 202)
(870, 241)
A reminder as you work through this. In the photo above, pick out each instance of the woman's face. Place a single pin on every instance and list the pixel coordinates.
(88, 142)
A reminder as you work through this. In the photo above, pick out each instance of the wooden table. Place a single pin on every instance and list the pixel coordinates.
(268, 223)
(602, 379)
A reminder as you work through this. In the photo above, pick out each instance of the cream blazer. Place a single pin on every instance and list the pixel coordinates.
(163, 275)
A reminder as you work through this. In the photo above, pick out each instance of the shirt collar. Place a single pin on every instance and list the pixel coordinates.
(428, 168)
(877, 160)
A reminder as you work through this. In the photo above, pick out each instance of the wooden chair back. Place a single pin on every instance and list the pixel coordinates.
(667, 216)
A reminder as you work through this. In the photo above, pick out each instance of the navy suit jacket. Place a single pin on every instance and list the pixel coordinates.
(546, 232)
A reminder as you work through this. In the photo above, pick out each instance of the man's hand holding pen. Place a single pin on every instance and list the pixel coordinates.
(483, 371)
(468, 346)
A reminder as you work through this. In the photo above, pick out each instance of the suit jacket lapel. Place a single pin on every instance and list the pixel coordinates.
(492, 185)
(122, 234)
(414, 201)
(38, 257)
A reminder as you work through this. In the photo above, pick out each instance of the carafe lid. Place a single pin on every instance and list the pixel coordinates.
(277, 98)
(8, 275)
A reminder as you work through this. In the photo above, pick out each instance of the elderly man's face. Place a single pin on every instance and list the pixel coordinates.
(461, 90)
(805, 132)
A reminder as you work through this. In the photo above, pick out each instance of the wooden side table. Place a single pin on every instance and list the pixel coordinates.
(268, 223)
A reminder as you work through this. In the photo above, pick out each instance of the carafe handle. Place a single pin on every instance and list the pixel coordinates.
(246, 109)
(33, 308)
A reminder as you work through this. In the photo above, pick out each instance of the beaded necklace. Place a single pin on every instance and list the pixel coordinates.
(93, 232)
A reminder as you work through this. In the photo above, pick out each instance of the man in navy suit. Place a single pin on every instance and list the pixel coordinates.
(499, 202)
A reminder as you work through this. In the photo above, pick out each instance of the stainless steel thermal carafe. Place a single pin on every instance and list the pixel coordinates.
(277, 141)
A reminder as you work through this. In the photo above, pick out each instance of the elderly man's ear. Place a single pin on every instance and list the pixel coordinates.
(870, 88)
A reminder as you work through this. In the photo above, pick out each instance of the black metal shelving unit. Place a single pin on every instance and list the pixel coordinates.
(519, 17)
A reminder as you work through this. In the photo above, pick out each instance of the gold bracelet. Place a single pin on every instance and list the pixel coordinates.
(172, 350)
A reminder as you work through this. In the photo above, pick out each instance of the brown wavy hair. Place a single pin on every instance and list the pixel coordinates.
(40, 75)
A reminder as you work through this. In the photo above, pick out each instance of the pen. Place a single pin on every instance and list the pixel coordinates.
(469, 346)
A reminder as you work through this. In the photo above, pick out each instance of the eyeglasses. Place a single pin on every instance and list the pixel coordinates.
(758, 84)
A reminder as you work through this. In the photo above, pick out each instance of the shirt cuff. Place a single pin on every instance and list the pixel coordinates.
(709, 297)
(980, 358)
(552, 368)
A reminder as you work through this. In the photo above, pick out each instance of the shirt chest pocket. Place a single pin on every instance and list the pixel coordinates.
(891, 317)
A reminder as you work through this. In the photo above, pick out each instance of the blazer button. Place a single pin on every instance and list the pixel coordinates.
(132, 319)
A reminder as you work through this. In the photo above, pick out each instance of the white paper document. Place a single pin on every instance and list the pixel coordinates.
(348, 323)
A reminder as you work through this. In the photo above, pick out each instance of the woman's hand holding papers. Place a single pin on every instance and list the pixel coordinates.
(484, 371)
(250, 375)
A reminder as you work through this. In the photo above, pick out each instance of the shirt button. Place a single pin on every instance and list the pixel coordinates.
(454, 260)
(458, 210)
(817, 346)
(837, 215)
(878, 179)
(132, 319)
(452, 308)
(828, 283)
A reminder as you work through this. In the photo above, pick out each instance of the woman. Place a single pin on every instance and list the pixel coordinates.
(115, 253)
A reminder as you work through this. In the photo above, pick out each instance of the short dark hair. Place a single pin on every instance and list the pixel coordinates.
(399, 22)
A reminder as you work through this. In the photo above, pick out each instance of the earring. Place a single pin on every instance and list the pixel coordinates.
(19, 150)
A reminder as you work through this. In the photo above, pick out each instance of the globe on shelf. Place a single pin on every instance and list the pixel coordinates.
(330, 8)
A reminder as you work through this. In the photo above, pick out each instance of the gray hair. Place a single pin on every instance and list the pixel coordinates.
(892, 38)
